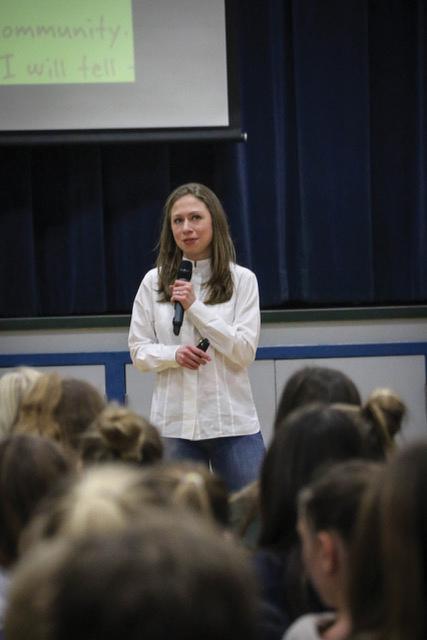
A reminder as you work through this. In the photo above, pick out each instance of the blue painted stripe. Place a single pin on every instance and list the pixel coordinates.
(64, 359)
(115, 361)
(343, 351)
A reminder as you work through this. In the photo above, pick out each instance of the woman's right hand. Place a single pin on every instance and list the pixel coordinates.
(191, 357)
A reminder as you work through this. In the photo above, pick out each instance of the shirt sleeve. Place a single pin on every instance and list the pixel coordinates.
(237, 340)
(146, 352)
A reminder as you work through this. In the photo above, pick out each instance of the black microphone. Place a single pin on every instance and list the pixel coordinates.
(184, 273)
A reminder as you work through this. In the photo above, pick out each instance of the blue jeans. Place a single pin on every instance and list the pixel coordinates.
(237, 459)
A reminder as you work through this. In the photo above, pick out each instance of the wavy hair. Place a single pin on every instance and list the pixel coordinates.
(59, 408)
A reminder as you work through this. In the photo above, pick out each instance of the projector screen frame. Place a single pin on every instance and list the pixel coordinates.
(232, 132)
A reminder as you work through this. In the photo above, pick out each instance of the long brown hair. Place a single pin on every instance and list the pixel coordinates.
(390, 551)
(404, 543)
(220, 284)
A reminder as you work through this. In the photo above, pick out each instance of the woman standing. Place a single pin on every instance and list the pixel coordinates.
(202, 401)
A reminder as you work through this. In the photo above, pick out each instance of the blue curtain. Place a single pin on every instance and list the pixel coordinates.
(326, 199)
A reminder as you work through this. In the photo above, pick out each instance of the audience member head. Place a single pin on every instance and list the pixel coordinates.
(188, 485)
(393, 532)
(158, 577)
(309, 441)
(305, 386)
(315, 384)
(383, 413)
(102, 498)
(30, 467)
(31, 591)
(120, 434)
(311, 438)
(327, 513)
(380, 417)
(13, 387)
(59, 408)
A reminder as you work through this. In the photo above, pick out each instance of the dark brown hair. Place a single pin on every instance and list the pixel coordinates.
(220, 285)
(315, 384)
(311, 438)
(390, 557)
(332, 502)
(30, 467)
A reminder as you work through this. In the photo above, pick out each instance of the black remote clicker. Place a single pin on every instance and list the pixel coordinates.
(203, 344)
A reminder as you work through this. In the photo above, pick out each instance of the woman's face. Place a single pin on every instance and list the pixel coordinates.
(191, 224)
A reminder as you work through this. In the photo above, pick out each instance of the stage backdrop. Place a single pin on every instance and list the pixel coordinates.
(327, 198)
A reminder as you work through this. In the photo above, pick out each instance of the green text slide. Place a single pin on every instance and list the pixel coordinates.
(66, 42)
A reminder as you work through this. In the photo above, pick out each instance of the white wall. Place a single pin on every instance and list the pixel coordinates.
(405, 374)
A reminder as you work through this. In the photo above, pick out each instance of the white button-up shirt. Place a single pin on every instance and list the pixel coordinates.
(216, 399)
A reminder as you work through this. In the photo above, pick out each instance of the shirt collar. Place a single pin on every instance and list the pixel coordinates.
(201, 267)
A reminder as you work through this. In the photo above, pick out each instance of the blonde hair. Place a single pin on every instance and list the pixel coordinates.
(120, 434)
(380, 417)
(388, 409)
(13, 387)
(108, 497)
(59, 408)
(188, 485)
(220, 284)
(104, 498)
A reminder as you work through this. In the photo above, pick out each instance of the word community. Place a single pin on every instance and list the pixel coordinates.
(91, 30)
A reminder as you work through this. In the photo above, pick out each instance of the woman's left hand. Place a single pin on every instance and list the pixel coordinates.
(182, 292)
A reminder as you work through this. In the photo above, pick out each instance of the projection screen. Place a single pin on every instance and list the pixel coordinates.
(114, 65)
